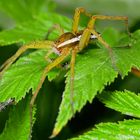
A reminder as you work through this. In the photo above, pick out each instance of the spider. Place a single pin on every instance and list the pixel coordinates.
(66, 44)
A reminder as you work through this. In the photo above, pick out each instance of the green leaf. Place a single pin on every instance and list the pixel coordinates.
(24, 75)
(35, 29)
(126, 102)
(93, 71)
(18, 125)
(24, 10)
(125, 130)
(112, 36)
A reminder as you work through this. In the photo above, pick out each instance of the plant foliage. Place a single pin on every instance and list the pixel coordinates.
(94, 69)
(126, 130)
(126, 102)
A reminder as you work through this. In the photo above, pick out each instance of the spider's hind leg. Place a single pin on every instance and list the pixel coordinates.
(110, 51)
(54, 27)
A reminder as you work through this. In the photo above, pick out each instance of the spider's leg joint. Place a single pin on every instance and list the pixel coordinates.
(80, 10)
(56, 51)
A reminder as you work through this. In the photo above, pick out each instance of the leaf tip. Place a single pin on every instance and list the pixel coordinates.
(54, 133)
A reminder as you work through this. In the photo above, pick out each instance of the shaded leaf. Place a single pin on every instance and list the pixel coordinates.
(35, 29)
(18, 125)
(126, 130)
(126, 102)
(24, 75)
(24, 10)
(3, 105)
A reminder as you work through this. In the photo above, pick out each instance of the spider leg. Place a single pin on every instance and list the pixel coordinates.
(76, 18)
(48, 55)
(86, 36)
(34, 45)
(106, 45)
(72, 64)
(9, 61)
(80, 10)
(102, 17)
(56, 62)
(55, 27)
(100, 39)
(84, 40)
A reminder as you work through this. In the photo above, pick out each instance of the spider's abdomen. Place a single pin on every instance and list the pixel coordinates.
(66, 40)
(70, 40)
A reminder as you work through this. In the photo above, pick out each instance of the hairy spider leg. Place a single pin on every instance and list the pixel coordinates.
(55, 27)
(57, 61)
(120, 18)
(101, 40)
(90, 29)
(106, 45)
(35, 45)
(76, 19)
(80, 10)
(72, 64)
(86, 37)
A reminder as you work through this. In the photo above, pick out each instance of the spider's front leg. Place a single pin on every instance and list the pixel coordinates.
(116, 18)
(101, 40)
(35, 45)
(80, 10)
(76, 18)
(57, 61)
(72, 64)
(90, 30)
